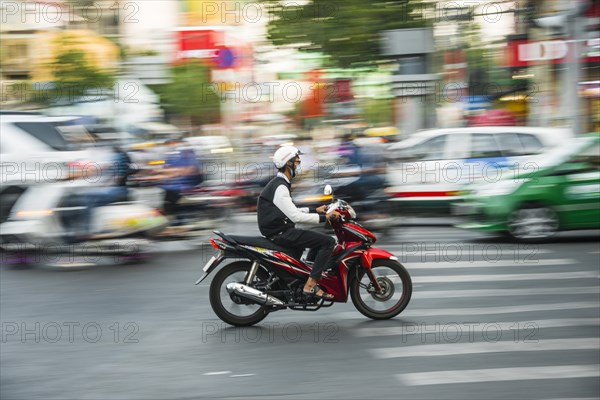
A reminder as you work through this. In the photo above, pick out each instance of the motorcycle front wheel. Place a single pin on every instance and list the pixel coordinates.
(232, 308)
(396, 286)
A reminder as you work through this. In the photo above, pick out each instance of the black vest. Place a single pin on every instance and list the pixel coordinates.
(271, 220)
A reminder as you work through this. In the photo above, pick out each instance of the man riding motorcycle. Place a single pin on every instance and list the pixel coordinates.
(371, 169)
(278, 215)
(110, 186)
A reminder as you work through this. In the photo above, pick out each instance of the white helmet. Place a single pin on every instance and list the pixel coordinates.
(283, 155)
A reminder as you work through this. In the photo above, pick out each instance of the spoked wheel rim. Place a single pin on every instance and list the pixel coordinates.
(234, 304)
(533, 223)
(392, 294)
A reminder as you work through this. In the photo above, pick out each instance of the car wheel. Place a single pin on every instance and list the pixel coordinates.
(533, 223)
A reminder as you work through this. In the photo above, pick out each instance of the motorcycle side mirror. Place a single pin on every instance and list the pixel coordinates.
(328, 191)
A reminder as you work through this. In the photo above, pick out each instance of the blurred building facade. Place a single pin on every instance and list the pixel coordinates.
(542, 57)
(33, 33)
(557, 49)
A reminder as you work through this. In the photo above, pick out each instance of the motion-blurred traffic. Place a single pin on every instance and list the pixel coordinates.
(131, 130)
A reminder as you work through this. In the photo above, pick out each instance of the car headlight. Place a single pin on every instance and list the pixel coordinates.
(499, 188)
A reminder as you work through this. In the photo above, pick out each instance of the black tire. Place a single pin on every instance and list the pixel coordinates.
(398, 307)
(533, 223)
(218, 283)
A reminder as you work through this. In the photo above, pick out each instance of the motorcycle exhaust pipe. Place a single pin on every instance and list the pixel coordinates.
(253, 294)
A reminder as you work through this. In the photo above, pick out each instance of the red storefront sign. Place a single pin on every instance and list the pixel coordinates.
(198, 43)
(522, 53)
(208, 45)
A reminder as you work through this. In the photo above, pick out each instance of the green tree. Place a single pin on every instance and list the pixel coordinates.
(348, 31)
(74, 74)
(378, 111)
(191, 94)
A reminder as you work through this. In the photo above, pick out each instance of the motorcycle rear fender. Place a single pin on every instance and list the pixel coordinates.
(211, 265)
(366, 260)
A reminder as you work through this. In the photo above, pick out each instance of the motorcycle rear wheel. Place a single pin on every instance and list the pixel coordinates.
(224, 305)
(397, 281)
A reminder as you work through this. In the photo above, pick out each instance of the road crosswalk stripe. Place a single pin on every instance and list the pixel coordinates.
(445, 294)
(450, 349)
(528, 326)
(452, 311)
(504, 277)
(488, 264)
(502, 309)
(499, 374)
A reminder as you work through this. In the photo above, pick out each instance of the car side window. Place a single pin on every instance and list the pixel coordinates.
(483, 145)
(432, 149)
(509, 144)
(530, 143)
(45, 132)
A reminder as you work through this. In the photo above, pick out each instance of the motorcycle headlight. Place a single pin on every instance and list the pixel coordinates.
(499, 188)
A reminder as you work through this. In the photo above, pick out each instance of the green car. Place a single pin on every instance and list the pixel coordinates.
(559, 190)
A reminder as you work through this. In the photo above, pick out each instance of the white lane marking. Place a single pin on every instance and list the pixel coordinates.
(217, 373)
(429, 312)
(453, 329)
(439, 294)
(504, 277)
(576, 398)
(499, 374)
(504, 309)
(489, 264)
(241, 375)
(450, 349)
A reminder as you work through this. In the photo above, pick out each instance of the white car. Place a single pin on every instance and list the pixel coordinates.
(37, 149)
(204, 145)
(427, 171)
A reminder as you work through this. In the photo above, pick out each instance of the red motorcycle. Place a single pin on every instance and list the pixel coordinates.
(270, 278)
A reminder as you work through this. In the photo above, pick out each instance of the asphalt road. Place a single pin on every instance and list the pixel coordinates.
(488, 319)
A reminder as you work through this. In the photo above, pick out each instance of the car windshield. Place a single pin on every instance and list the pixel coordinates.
(60, 136)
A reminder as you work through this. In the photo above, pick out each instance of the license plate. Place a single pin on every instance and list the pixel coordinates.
(209, 263)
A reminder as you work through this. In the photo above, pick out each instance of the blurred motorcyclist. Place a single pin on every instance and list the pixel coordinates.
(110, 186)
(181, 171)
(278, 215)
(370, 172)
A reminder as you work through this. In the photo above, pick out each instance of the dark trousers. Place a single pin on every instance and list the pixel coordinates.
(318, 243)
(170, 202)
(98, 198)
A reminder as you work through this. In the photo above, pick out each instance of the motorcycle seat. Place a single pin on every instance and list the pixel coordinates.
(261, 241)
